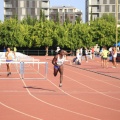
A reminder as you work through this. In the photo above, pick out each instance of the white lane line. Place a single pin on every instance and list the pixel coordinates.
(94, 78)
(84, 100)
(20, 111)
(67, 110)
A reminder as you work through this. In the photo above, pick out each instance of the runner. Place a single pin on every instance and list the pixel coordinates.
(9, 58)
(58, 61)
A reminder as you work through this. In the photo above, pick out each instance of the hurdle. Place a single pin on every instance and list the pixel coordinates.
(21, 70)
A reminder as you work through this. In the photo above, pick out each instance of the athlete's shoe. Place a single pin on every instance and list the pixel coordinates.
(113, 67)
(60, 85)
(9, 73)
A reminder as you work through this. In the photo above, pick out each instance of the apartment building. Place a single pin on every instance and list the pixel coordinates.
(64, 13)
(99, 7)
(22, 8)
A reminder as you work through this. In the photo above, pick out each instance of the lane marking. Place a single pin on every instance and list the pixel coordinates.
(19, 111)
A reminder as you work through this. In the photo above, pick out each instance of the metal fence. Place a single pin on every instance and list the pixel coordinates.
(40, 52)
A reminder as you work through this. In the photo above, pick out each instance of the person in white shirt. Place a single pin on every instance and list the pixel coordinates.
(81, 53)
(114, 55)
(58, 62)
(10, 55)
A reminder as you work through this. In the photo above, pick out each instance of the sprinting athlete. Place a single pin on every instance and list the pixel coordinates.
(9, 58)
(58, 62)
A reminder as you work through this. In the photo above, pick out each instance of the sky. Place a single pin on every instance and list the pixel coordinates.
(79, 4)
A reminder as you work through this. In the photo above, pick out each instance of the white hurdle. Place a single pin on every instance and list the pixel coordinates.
(22, 70)
(24, 66)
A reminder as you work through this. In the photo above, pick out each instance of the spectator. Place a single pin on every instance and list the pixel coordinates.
(105, 54)
(114, 55)
(4, 49)
(15, 49)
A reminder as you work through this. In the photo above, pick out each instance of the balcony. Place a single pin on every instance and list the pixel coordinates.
(8, 5)
(94, 3)
(45, 5)
(8, 13)
(46, 12)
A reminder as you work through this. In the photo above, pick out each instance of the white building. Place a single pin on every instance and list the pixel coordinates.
(99, 7)
(22, 8)
(64, 13)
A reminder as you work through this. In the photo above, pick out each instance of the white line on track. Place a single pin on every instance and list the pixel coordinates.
(94, 78)
(67, 110)
(82, 99)
(58, 106)
(75, 92)
(19, 111)
(13, 109)
(92, 88)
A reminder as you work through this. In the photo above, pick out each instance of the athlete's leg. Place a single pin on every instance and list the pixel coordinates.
(8, 69)
(56, 70)
(61, 75)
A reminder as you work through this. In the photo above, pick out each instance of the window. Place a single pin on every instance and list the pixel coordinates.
(105, 2)
(71, 17)
(118, 1)
(112, 1)
(27, 3)
(23, 11)
(107, 8)
(22, 3)
(119, 16)
(33, 4)
(70, 10)
(113, 8)
(32, 11)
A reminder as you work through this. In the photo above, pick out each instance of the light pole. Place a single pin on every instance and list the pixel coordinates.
(116, 22)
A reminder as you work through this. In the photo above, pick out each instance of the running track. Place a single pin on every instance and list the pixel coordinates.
(89, 92)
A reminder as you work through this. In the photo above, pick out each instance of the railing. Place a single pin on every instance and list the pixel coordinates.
(8, 13)
(39, 52)
(8, 6)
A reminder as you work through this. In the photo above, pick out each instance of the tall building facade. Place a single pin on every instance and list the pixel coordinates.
(65, 12)
(98, 7)
(22, 8)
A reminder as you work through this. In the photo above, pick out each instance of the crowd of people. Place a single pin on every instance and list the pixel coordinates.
(61, 55)
(59, 58)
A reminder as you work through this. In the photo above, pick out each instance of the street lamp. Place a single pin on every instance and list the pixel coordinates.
(116, 22)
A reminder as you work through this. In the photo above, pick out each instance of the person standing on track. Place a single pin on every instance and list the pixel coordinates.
(114, 56)
(58, 61)
(105, 54)
(9, 58)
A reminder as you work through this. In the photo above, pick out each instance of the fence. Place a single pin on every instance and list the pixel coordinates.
(40, 52)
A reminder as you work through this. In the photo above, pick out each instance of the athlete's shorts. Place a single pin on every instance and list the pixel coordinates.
(9, 60)
(56, 67)
(104, 58)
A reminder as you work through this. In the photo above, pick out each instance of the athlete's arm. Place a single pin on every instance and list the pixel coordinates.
(67, 53)
(6, 54)
(54, 60)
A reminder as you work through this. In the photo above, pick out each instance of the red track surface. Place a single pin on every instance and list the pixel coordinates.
(85, 95)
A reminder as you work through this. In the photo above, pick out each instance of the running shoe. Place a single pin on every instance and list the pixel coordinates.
(60, 85)
(9, 73)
